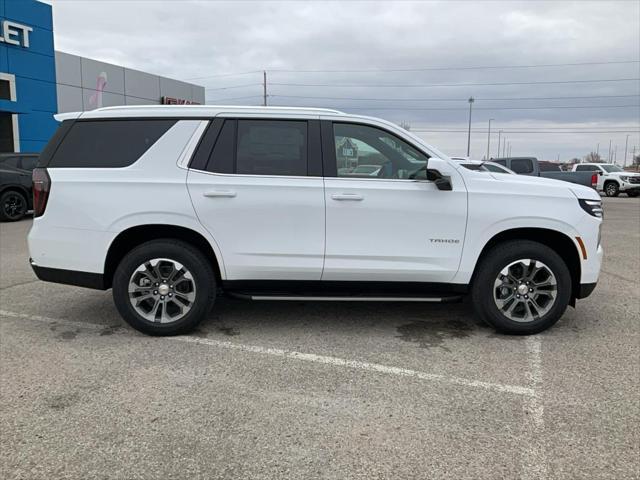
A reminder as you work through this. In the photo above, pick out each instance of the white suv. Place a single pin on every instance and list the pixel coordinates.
(612, 180)
(169, 206)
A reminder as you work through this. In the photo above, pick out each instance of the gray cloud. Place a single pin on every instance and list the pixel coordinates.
(189, 39)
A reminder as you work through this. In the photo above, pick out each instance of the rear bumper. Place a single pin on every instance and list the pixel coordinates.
(69, 277)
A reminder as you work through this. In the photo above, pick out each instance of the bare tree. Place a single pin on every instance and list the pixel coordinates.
(593, 157)
(405, 125)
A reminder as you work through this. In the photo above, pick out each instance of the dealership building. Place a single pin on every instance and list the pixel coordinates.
(36, 81)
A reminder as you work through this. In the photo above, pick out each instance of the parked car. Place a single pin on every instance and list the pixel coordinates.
(176, 203)
(482, 165)
(531, 166)
(15, 185)
(612, 180)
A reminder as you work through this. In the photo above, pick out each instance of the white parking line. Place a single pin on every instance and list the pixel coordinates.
(313, 358)
(535, 465)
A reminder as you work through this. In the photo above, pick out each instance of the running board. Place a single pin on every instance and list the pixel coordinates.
(320, 298)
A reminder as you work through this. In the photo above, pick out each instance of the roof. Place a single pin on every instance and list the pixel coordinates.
(205, 111)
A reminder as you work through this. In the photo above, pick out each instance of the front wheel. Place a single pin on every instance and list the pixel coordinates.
(164, 287)
(521, 287)
(611, 189)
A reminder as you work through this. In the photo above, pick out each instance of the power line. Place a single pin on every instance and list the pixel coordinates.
(452, 99)
(495, 108)
(233, 86)
(424, 85)
(418, 69)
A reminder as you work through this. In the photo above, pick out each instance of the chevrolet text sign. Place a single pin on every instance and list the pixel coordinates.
(14, 33)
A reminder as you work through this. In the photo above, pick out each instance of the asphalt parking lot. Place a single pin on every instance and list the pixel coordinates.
(320, 390)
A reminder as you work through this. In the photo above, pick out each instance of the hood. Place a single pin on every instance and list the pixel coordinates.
(579, 191)
(625, 174)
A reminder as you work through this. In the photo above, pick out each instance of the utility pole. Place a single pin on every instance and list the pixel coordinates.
(626, 145)
(499, 134)
(264, 88)
(609, 157)
(615, 154)
(489, 138)
(471, 100)
(598, 149)
(504, 145)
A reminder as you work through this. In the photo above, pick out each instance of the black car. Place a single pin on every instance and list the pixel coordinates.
(15, 185)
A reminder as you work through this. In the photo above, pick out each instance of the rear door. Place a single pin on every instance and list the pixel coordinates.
(256, 186)
(387, 227)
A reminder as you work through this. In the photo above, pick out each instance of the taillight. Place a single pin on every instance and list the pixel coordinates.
(594, 180)
(41, 188)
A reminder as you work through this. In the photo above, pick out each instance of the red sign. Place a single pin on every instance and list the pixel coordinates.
(177, 101)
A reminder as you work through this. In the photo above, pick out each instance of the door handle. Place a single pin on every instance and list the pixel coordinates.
(220, 193)
(347, 196)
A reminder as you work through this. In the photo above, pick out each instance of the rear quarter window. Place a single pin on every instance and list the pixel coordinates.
(108, 143)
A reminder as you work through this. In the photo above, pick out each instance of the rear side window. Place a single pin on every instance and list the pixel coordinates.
(522, 165)
(108, 143)
(271, 147)
(586, 168)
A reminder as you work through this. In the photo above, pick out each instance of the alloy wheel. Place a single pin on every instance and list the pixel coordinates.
(525, 290)
(14, 205)
(162, 290)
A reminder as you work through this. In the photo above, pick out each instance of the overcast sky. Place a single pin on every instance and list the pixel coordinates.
(384, 59)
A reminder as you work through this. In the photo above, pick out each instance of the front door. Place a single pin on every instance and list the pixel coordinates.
(256, 197)
(383, 225)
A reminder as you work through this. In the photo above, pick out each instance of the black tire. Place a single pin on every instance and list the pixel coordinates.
(611, 189)
(193, 260)
(13, 206)
(632, 194)
(488, 270)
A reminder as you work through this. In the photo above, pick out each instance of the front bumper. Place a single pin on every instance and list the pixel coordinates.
(586, 289)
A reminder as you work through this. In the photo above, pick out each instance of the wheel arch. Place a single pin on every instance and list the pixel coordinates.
(130, 238)
(559, 242)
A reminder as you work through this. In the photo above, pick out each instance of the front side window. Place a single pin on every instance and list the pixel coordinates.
(612, 168)
(522, 165)
(272, 147)
(495, 168)
(367, 152)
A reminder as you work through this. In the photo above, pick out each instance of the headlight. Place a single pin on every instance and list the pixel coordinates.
(592, 207)
(624, 179)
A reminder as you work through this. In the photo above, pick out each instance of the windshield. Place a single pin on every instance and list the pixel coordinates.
(612, 168)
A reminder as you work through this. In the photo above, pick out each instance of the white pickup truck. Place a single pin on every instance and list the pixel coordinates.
(612, 180)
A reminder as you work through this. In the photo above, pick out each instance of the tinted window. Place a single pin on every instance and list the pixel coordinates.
(5, 90)
(221, 159)
(501, 162)
(271, 147)
(548, 167)
(494, 168)
(369, 152)
(586, 168)
(522, 165)
(108, 143)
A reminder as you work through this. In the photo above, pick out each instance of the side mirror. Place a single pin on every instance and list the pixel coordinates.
(600, 172)
(443, 184)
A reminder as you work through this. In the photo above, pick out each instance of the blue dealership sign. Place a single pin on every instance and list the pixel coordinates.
(27, 68)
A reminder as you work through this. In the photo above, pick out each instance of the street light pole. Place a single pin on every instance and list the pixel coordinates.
(504, 145)
(471, 100)
(626, 145)
(489, 138)
(499, 134)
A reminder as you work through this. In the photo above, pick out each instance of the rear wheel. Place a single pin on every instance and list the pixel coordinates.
(164, 287)
(521, 287)
(611, 189)
(13, 206)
